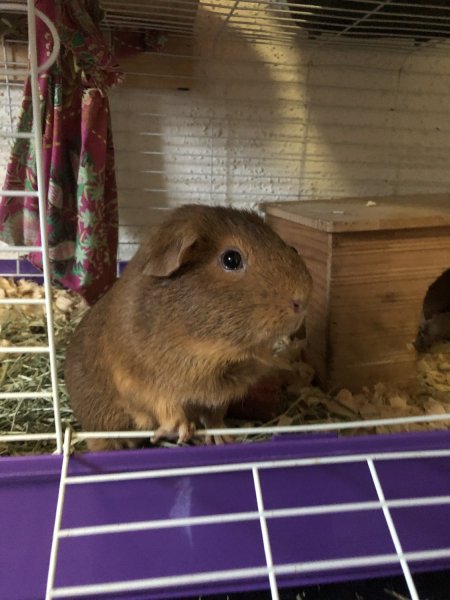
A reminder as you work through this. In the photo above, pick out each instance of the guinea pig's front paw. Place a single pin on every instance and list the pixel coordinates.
(185, 431)
(214, 419)
(218, 440)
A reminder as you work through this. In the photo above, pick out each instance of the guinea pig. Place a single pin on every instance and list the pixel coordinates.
(432, 330)
(189, 326)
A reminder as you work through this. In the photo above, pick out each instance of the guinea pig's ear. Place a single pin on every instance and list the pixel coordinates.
(170, 250)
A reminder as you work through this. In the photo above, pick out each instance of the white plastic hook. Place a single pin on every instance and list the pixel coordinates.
(56, 42)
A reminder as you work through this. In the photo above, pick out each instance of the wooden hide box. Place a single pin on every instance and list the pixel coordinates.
(372, 261)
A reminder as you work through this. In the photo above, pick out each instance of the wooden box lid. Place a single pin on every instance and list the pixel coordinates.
(366, 214)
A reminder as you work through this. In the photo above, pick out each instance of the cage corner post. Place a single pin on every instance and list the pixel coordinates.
(35, 69)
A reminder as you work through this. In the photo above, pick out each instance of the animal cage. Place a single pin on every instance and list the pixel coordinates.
(243, 103)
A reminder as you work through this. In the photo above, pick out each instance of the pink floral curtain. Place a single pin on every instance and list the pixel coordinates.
(82, 213)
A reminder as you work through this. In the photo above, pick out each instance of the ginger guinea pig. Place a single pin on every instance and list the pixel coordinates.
(189, 326)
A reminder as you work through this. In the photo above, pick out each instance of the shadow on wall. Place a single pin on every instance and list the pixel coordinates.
(204, 122)
(377, 121)
(220, 119)
(254, 135)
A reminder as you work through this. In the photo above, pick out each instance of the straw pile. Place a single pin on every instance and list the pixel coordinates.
(298, 401)
(25, 325)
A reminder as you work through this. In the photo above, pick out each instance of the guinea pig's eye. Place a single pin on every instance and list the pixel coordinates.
(232, 260)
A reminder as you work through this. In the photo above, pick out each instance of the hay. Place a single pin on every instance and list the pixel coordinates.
(301, 402)
(25, 325)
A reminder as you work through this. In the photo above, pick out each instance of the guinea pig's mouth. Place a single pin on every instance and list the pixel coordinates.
(296, 326)
(291, 325)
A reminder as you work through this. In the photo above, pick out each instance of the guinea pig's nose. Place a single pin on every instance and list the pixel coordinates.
(296, 305)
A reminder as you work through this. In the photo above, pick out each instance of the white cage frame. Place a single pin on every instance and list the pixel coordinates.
(64, 447)
(36, 134)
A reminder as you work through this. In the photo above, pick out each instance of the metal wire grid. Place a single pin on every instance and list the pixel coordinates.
(233, 431)
(175, 16)
(271, 570)
(12, 71)
(36, 135)
(399, 22)
(211, 195)
(263, 129)
(262, 515)
(231, 150)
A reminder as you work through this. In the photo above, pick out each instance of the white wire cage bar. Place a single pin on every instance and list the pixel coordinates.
(235, 467)
(30, 301)
(271, 570)
(18, 395)
(391, 22)
(250, 573)
(238, 517)
(281, 429)
(19, 194)
(35, 70)
(79, 436)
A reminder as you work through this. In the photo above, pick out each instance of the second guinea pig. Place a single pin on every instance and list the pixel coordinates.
(189, 326)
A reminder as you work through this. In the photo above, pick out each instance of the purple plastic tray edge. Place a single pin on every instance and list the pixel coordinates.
(40, 468)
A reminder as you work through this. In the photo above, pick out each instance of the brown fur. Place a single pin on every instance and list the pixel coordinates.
(178, 338)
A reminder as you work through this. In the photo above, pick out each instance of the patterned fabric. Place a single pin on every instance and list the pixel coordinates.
(78, 155)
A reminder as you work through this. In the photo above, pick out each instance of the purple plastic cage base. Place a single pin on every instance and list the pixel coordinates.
(29, 486)
(21, 268)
